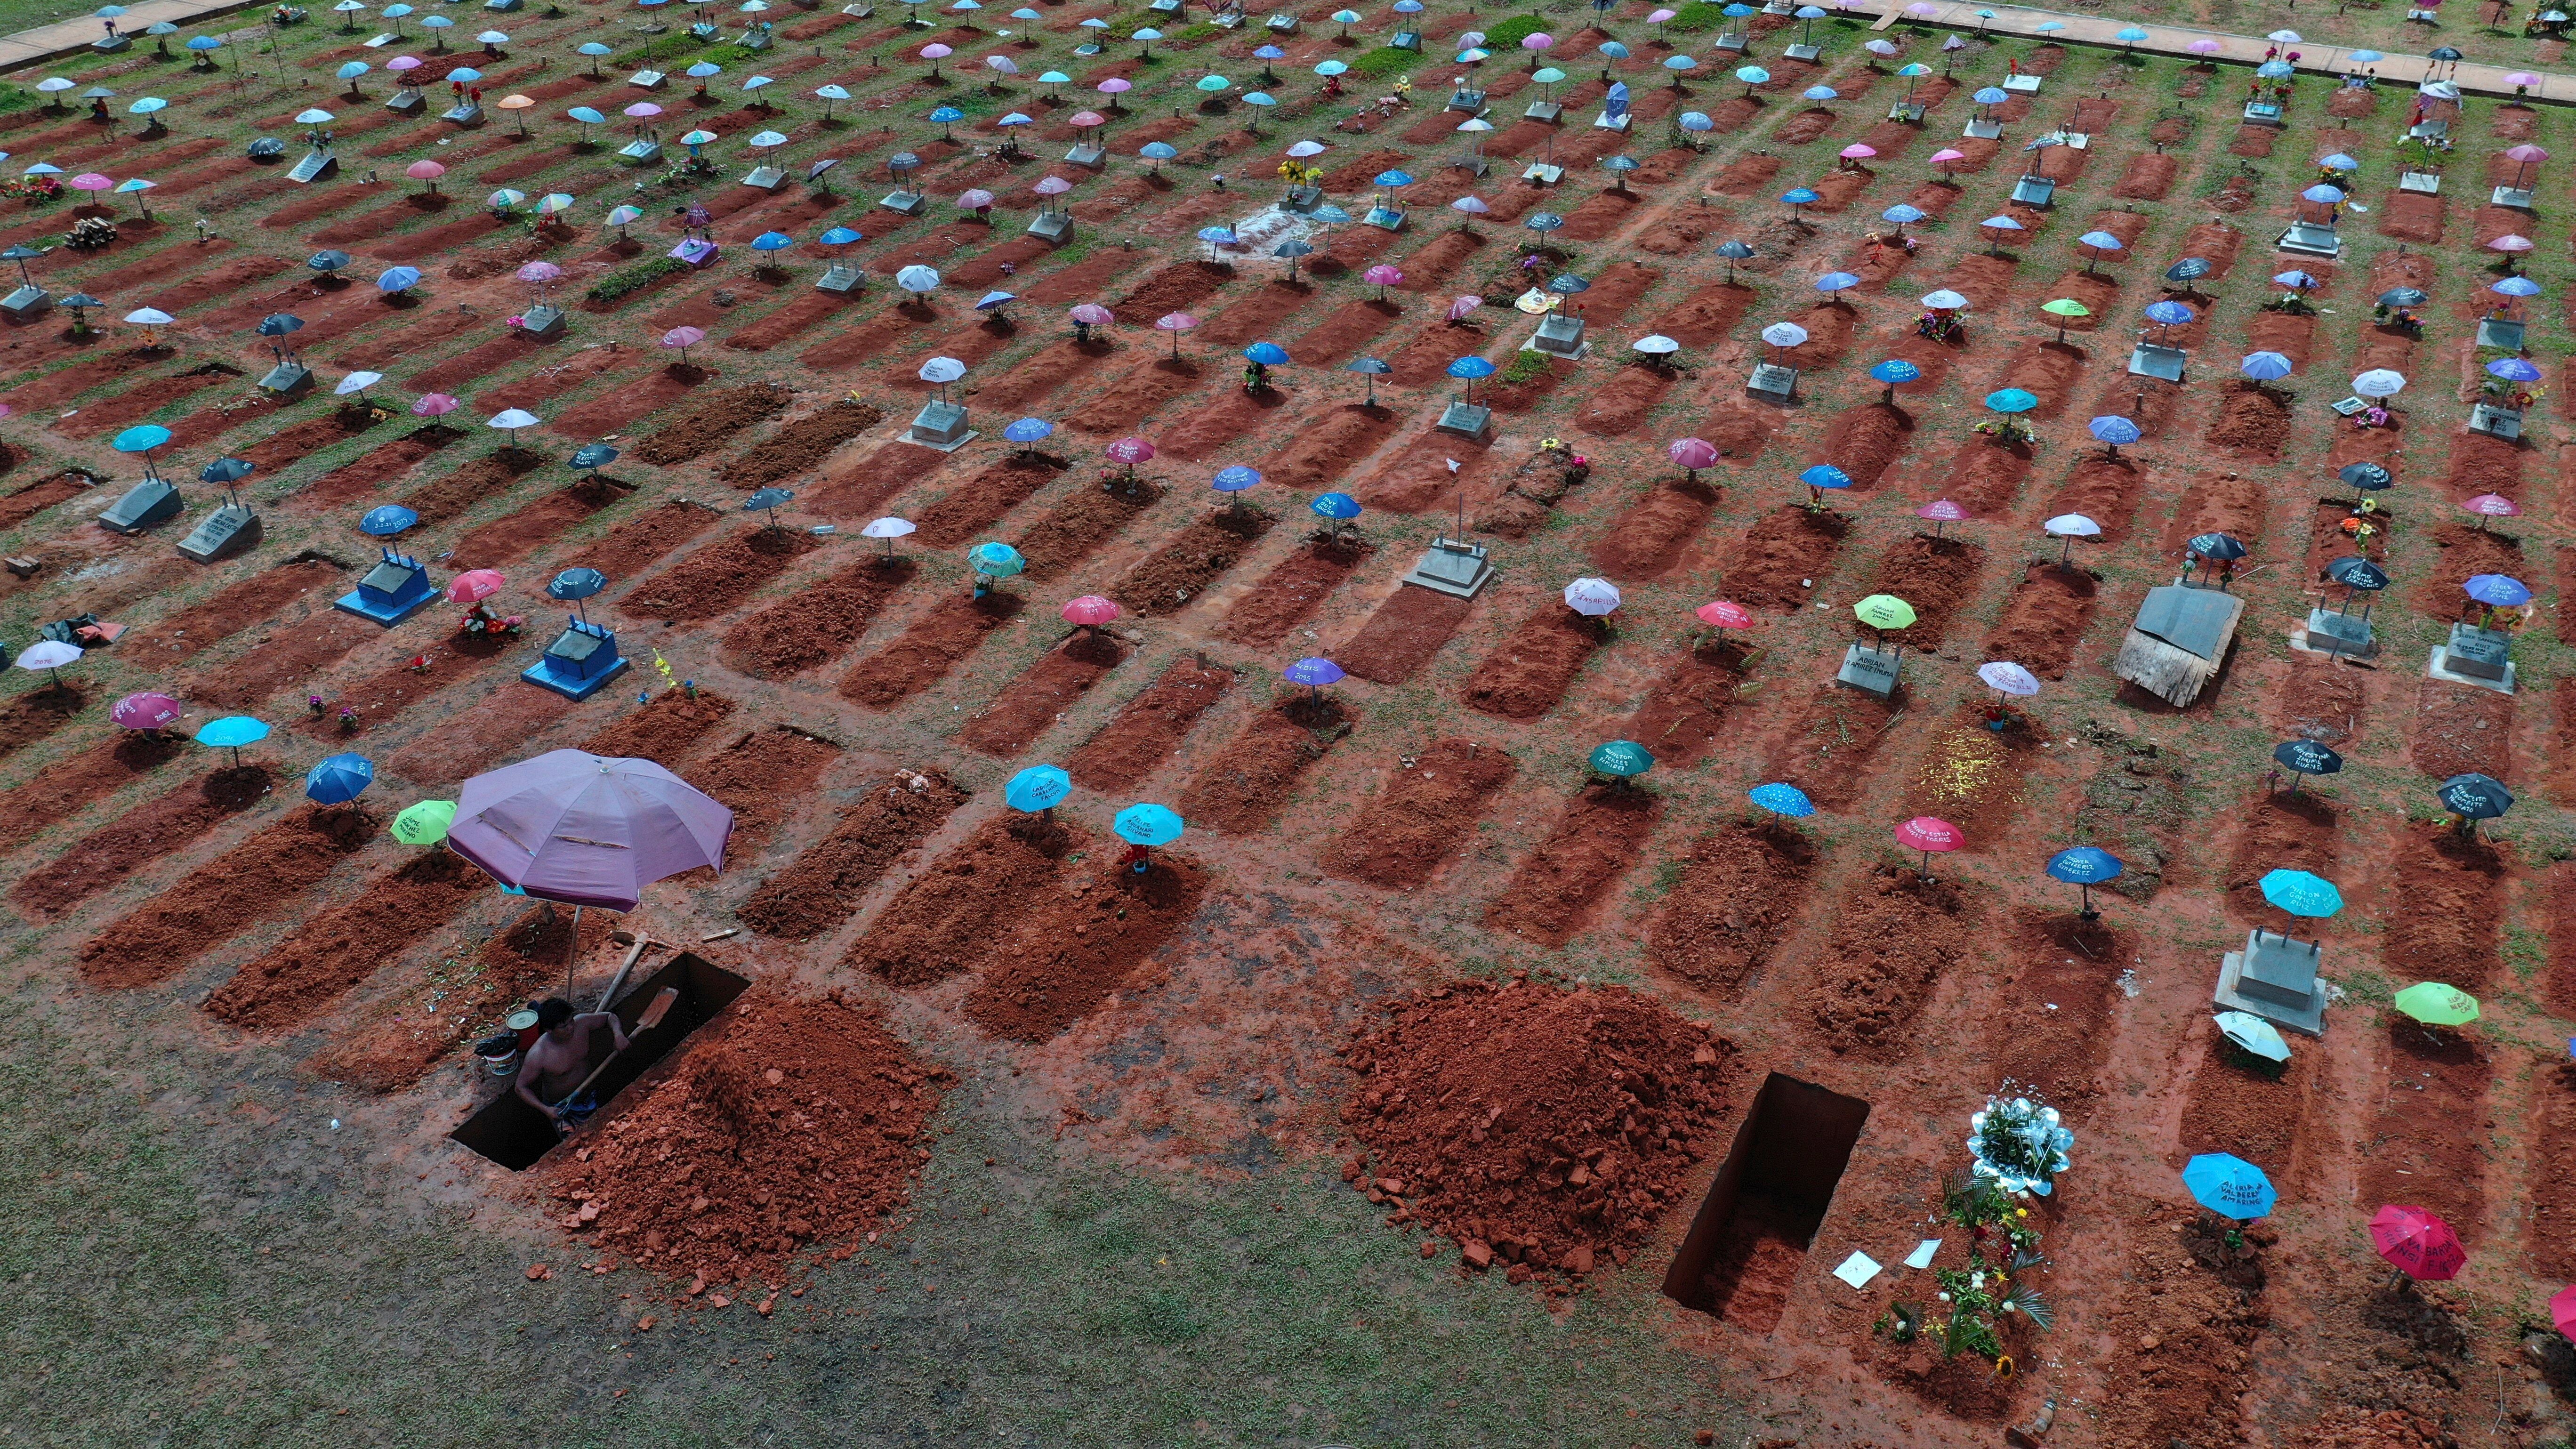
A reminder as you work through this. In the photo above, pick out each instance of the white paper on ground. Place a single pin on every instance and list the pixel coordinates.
(1921, 1257)
(1857, 1270)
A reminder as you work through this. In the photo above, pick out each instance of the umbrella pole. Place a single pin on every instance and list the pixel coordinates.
(572, 950)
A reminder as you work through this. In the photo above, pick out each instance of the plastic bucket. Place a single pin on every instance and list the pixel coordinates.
(499, 1055)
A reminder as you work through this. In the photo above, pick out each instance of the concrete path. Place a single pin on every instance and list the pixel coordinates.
(2316, 57)
(64, 37)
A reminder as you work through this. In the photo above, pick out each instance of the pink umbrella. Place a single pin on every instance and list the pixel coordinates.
(1945, 158)
(587, 831)
(1085, 120)
(424, 171)
(1725, 614)
(1176, 323)
(91, 181)
(538, 273)
(1858, 152)
(1382, 277)
(1692, 454)
(1941, 511)
(643, 110)
(2205, 46)
(1459, 308)
(2417, 1243)
(1113, 86)
(1092, 314)
(2523, 157)
(2491, 505)
(404, 62)
(975, 200)
(1052, 186)
(146, 711)
(2521, 78)
(474, 586)
(935, 52)
(1539, 41)
(2562, 1311)
(684, 338)
(2509, 242)
(1091, 611)
(1130, 451)
(433, 405)
(1927, 834)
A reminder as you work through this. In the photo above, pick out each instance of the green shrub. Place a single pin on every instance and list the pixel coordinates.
(635, 278)
(1387, 61)
(1696, 17)
(1512, 32)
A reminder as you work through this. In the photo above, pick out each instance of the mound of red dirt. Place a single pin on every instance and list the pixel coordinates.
(1534, 1124)
(787, 1123)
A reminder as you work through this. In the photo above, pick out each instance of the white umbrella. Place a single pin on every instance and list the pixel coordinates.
(942, 370)
(1784, 334)
(1944, 300)
(510, 420)
(314, 117)
(357, 382)
(2072, 525)
(1656, 345)
(887, 528)
(149, 317)
(2007, 676)
(2254, 1034)
(50, 654)
(1592, 597)
(1304, 149)
(2379, 382)
(917, 278)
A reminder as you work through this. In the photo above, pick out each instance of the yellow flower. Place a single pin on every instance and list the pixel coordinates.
(2021, 1212)
(2004, 1367)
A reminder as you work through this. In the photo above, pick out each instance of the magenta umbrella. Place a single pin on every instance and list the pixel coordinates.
(91, 181)
(1692, 454)
(145, 711)
(433, 405)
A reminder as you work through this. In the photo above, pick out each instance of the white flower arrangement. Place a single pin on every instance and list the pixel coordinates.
(2020, 1144)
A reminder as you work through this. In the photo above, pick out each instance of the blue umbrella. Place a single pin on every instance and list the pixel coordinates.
(1466, 369)
(1029, 430)
(1799, 196)
(1991, 96)
(2340, 162)
(1236, 479)
(1337, 506)
(2302, 894)
(1836, 282)
(1825, 475)
(1268, 354)
(387, 520)
(2085, 866)
(574, 585)
(2011, 400)
(2497, 591)
(840, 236)
(2274, 69)
(2265, 366)
(996, 560)
(1538, 221)
(2365, 56)
(1613, 50)
(327, 262)
(2514, 369)
(2516, 285)
(202, 43)
(1147, 825)
(1782, 800)
(1037, 789)
(226, 471)
(2113, 431)
(2168, 314)
(339, 779)
(1822, 93)
(1895, 371)
(2322, 194)
(231, 733)
(2475, 796)
(1314, 674)
(1392, 178)
(1903, 215)
(1696, 121)
(398, 279)
(2130, 34)
(772, 241)
(2229, 1186)
(593, 455)
(769, 501)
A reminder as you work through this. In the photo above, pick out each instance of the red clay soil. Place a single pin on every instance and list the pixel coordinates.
(1683, 712)
(1403, 634)
(954, 916)
(287, 655)
(1865, 440)
(1424, 818)
(2552, 1242)
(1151, 726)
(925, 653)
(1529, 670)
(1652, 536)
(641, 541)
(36, 497)
(1062, 537)
(816, 623)
(1292, 592)
(1558, 886)
(1243, 787)
(664, 731)
(2221, 503)
(148, 832)
(1165, 581)
(1893, 941)
(764, 777)
(2460, 729)
(367, 474)
(253, 600)
(780, 1125)
(38, 713)
(2433, 1076)
(481, 478)
(2044, 620)
(1938, 576)
(2443, 925)
(1740, 890)
(1072, 948)
(2239, 1103)
(2464, 553)
(1541, 1129)
(801, 444)
(1030, 705)
(2183, 1330)
(1784, 550)
(300, 976)
(2104, 490)
(715, 578)
(64, 787)
(709, 421)
(508, 539)
(2050, 1031)
(1830, 744)
(524, 961)
(823, 886)
(383, 696)
(501, 728)
(224, 897)
(976, 504)
(2251, 421)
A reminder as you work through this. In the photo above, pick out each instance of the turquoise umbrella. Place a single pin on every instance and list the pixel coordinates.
(1037, 789)
(231, 733)
(1147, 824)
(2011, 400)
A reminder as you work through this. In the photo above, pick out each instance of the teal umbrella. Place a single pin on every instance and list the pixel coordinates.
(1621, 759)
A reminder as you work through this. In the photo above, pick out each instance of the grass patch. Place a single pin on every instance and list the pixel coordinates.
(1386, 61)
(1512, 32)
(635, 278)
(1697, 17)
(1526, 367)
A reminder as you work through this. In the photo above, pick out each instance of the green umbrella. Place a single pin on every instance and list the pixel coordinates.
(2435, 1003)
(1884, 611)
(425, 823)
(2063, 308)
(1622, 759)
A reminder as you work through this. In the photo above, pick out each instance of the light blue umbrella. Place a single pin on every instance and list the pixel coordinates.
(1469, 369)
(386, 520)
(1823, 93)
(203, 43)
(465, 73)
(1800, 197)
(2113, 431)
(772, 241)
(1613, 50)
(348, 72)
(2011, 400)
(1825, 475)
(1268, 354)
(2497, 591)
(231, 733)
(1903, 215)
(141, 438)
(1331, 67)
(1678, 63)
(840, 236)
(2229, 1186)
(1393, 179)
(1836, 282)
(2365, 56)
(2274, 69)
(1029, 430)
(1037, 789)
(2302, 894)
(2085, 866)
(2265, 366)
(996, 560)
(1697, 121)
(339, 779)
(2340, 162)
(2516, 285)
(2131, 35)
(1893, 372)
(397, 279)
(1781, 800)
(1146, 824)
(2322, 194)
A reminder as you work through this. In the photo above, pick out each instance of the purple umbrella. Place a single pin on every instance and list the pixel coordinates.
(586, 830)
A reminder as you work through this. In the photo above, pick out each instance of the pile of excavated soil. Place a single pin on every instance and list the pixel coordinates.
(785, 1123)
(1537, 1125)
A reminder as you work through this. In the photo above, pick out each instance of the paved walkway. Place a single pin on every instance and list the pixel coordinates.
(2316, 57)
(63, 37)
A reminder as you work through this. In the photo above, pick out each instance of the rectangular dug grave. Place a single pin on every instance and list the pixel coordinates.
(1750, 1238)
(516, 1135)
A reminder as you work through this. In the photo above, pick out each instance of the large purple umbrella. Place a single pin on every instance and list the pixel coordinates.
(586, 830)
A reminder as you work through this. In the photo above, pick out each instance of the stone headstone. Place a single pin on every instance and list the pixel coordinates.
(2154, 359)
(1560, 333)
(1466, 419)
(226, 531)
(149, 502)
(2034, 191)
(940, 425)
(1454, 567)
(1872, 670)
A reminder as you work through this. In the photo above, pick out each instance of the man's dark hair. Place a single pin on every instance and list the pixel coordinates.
(553, 1012)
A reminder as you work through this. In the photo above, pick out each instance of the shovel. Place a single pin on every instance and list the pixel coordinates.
(659, 1007)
